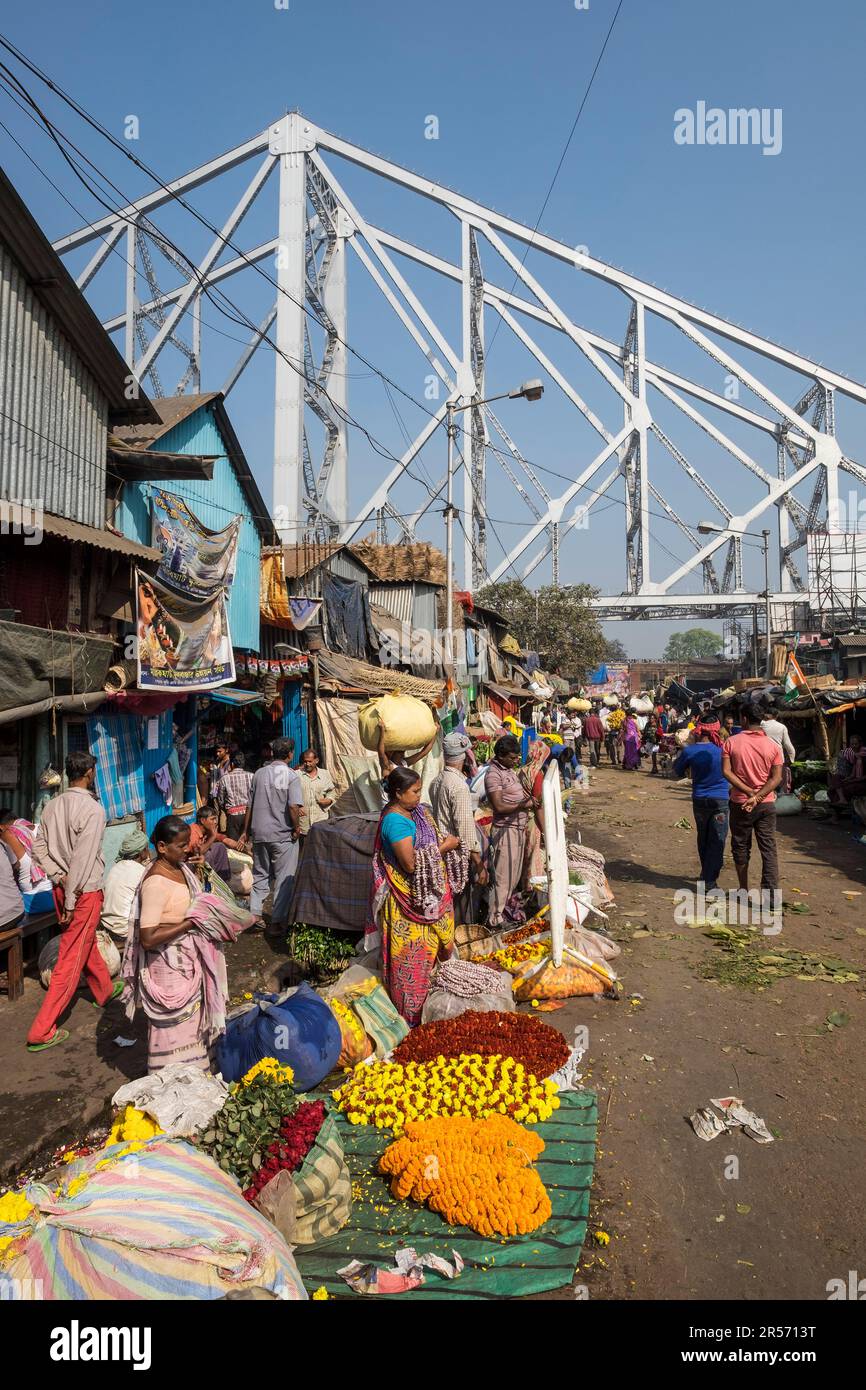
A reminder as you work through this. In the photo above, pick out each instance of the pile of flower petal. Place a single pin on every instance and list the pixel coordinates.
(541, 1049)
(388, 1094)
(511, 958)
(475, 1173)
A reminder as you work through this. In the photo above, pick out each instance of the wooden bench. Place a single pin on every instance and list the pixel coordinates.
(12, 942)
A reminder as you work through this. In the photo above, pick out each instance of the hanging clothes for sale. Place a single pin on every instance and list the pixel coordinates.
(349, 625)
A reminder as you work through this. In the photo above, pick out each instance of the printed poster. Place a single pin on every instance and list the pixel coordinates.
(196, 562)
(183, 643)
(611, 678)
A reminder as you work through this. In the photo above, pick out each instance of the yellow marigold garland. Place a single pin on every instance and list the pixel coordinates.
(388, 1095)
(475, 1173)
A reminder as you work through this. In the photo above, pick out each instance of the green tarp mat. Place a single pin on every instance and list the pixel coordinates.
(537, 1263)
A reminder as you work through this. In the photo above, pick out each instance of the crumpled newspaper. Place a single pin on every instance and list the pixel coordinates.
(568, 1078)
(182, 1098)
(708, 1125)
(408, 1272)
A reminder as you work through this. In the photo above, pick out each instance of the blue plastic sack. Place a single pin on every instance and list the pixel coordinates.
(300, 1019)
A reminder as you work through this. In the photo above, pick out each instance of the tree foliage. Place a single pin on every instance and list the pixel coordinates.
(695, 644)
(615, 651)
(555, 621)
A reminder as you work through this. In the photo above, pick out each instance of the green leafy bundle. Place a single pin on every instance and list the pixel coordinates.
(248, 1122)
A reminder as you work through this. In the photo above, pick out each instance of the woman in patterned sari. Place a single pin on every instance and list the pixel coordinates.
(411, 904)
(173, 966)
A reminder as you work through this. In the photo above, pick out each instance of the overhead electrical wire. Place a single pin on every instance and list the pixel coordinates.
(233, 312)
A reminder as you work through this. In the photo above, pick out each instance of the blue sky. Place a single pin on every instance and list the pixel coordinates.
(770, 242)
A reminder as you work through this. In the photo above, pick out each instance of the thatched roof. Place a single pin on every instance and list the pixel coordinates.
(396, 564)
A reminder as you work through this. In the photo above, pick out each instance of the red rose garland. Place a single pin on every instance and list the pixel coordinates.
(297, 1135)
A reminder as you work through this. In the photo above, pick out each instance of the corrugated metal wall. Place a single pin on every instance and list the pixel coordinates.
(54, 420)
(344, 565)
(412, 603)
(214, 503)
(396, 599)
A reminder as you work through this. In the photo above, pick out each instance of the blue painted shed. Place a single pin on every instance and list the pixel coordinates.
(199, 425)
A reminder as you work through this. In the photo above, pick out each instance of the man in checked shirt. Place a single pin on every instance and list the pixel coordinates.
(232, 795)
(451, 803)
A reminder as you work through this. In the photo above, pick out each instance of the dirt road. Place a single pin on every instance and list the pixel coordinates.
(680, 1226)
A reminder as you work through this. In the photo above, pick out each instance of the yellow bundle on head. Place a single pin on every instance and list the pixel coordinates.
(408, 722)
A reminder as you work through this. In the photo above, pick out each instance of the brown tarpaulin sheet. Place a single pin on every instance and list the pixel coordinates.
(37, 666)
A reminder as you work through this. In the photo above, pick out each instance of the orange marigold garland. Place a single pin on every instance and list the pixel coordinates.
(475, 1173)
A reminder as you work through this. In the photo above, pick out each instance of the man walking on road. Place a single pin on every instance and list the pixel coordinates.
(710, 794)
(752, 764)
(273, 817)
(593, 732)
(68, 846)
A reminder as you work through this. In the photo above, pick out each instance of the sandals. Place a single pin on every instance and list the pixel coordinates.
(60, 1036)
(116, 991)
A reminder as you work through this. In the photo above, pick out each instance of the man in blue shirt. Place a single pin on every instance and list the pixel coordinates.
(710, 790)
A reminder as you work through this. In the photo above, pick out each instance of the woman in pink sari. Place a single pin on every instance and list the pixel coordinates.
(173, 966)
(631, 745)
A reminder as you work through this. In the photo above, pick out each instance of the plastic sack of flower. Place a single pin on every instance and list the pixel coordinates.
(296, 1027)
(380, 1019)
(577, 975)
(315, 1202)
(356, 1045)
(443, 1003)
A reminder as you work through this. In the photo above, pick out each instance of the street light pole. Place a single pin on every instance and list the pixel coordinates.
(449, 539)
(766, 539)
(529, 391)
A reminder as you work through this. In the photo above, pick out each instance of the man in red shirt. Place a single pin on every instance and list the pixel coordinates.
(593, 732)
(752, 762)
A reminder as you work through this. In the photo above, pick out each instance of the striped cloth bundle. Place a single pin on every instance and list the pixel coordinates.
(162, 1222)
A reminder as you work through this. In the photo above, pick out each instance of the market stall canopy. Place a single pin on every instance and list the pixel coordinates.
(511, 692)
(234, 695)
(339, 672)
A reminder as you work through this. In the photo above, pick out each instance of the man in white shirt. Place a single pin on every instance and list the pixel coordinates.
(273, 817)
(775, 729)
(121, 884)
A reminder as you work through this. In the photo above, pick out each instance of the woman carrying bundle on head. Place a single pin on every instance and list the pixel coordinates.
(411, 904)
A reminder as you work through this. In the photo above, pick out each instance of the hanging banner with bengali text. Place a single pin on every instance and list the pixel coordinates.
(184, 644)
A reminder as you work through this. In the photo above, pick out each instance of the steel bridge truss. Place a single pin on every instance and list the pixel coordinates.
(318, 225)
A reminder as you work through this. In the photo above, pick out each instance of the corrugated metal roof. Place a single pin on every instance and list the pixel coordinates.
(51, 283)
(174, 411)
(103, 540)
(305, 556)
(168, 412)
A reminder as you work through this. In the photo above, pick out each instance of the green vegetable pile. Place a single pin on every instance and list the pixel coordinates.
(743, 963)
(320, 952)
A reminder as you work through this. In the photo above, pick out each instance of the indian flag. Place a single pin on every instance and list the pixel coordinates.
(795, 682)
